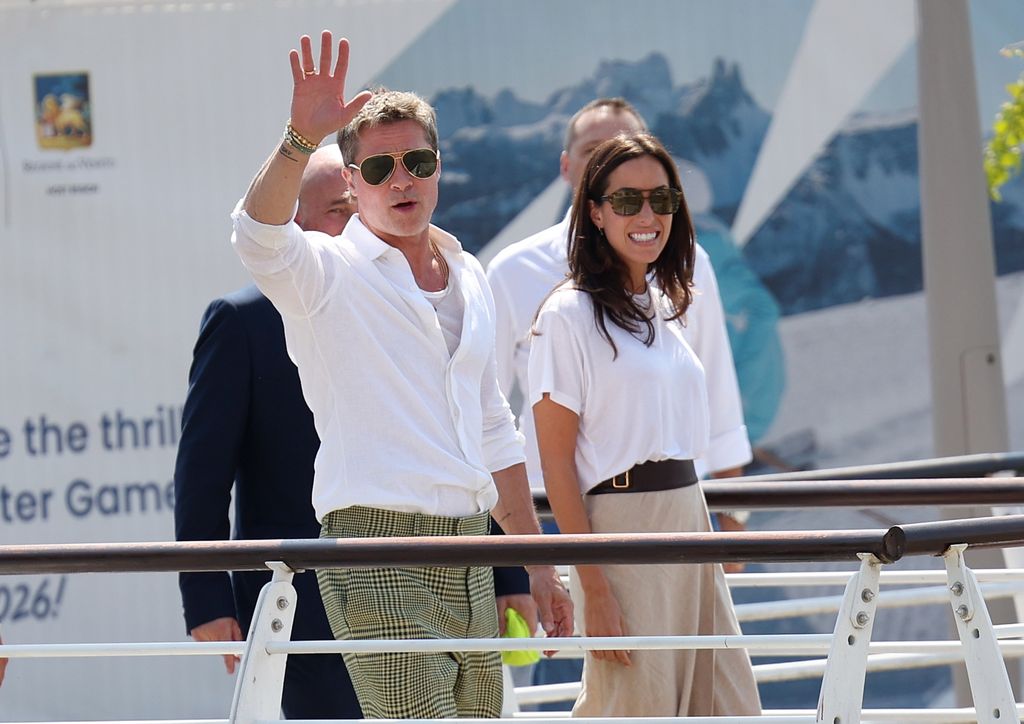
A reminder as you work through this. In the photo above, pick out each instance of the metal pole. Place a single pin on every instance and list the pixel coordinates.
(968, 398)
(959, 265)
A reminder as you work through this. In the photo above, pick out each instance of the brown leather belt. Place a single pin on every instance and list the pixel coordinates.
(648, 477)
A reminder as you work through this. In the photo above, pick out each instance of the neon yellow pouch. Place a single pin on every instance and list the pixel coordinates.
(516, 628)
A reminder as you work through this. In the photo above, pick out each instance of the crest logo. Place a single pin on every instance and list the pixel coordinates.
(63, 111)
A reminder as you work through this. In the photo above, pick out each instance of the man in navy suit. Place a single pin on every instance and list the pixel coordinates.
(245, 424)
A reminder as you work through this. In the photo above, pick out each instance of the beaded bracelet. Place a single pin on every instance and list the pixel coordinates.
(304, 150)
(291, 129)
(297, 141)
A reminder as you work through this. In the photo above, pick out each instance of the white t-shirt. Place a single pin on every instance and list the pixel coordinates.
(448, 306)
(522, 275)
(645, 403)
(404, 424)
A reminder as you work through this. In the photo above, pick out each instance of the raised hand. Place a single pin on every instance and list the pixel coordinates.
(318, 97)
(318, 110)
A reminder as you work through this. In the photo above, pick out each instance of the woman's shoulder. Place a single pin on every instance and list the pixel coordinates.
(566, 298)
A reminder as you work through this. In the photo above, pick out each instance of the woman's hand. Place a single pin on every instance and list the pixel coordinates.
(318, 97)
(554, 607)
(603, 617)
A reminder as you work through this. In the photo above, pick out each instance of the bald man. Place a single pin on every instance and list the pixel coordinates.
(325, 203)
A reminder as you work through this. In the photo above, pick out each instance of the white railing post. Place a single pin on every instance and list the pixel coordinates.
(509, 702)
(842, 687)
(986, 670)
(261, 675)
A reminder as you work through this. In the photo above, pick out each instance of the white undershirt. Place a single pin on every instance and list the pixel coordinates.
(449, 314)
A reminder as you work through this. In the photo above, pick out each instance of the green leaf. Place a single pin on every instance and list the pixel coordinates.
(1002, 154)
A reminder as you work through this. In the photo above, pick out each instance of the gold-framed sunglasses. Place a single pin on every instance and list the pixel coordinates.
(376, 169)
(628, 202)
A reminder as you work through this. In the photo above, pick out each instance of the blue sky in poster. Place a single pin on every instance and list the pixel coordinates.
(538, 46)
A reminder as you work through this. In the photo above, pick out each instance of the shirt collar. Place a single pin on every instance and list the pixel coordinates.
(372, 246)
(365, 241)
(445, 241)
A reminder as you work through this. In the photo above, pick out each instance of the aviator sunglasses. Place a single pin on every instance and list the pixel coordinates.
(628, 202)
(376, 169)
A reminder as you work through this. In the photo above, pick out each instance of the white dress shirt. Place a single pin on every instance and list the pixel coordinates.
(635, 403)
(403, 424)
(522, 275)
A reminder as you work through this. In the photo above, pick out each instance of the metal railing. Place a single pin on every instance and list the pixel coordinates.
(954, 481)
(257, 696)
(961, 466)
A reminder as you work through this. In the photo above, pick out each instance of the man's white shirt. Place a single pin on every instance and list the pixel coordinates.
(524, 273)
(404, 424)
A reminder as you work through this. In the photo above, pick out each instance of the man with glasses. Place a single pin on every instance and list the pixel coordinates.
(391, 326)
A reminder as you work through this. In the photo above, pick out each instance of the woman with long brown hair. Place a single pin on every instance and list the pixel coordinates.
(620, 407)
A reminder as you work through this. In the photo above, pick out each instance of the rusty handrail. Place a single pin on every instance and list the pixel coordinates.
(960, 466)
(888, 545)
(455, 550)
(740, 494)
(763, 494)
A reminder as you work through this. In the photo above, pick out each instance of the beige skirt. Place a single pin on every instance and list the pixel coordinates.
(675, 600)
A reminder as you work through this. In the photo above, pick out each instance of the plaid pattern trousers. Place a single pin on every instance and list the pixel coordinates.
(414, 603)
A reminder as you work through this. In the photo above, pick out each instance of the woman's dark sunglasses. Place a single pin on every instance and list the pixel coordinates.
(376, 169)
(628, 202)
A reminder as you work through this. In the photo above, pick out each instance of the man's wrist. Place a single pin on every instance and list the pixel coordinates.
(523, 522)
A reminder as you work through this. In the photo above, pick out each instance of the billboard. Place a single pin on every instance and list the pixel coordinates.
(128, 131)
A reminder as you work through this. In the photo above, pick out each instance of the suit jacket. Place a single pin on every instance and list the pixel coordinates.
(245, 425)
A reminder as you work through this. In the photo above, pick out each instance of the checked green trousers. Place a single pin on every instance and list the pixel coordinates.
(414, 603)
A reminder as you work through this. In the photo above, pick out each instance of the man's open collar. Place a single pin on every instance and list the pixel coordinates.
(365, 241)
(444, 240)
(372, 246)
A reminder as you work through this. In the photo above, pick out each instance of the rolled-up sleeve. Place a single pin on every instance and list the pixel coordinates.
(285, 262)
(502, 443)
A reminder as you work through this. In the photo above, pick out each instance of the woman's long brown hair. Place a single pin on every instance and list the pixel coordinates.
(595, 268)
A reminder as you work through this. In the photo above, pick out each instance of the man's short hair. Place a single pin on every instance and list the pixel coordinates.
(387, 106)
(615, 105)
